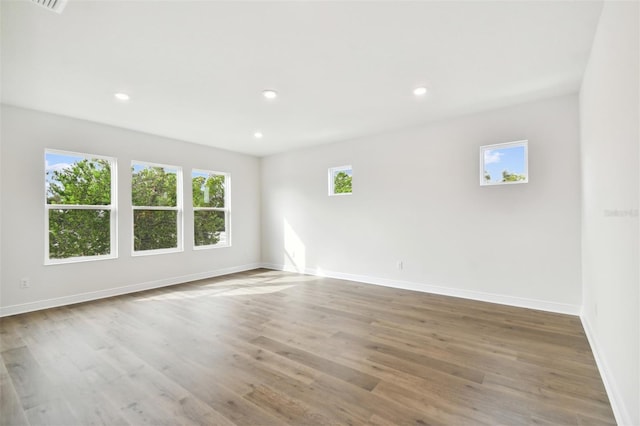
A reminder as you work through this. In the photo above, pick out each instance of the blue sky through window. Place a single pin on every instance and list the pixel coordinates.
(57, 162)
(196, 174)
(137, 167)
(511, 159)
(336, 170)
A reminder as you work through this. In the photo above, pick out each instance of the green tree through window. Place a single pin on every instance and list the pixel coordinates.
(210, 207)
(504, 163)
(80, 217)
(342, 183)
(511, 177)
(340, 180)
(156, 207)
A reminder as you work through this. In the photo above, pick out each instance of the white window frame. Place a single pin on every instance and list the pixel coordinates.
(178, 208)
(485, 148)
(112, 208)
(334, 171)
(226, 209)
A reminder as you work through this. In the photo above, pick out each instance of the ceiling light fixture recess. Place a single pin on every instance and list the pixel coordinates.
(420, 91)
(270, 94)
(257, 135)
(121, 96)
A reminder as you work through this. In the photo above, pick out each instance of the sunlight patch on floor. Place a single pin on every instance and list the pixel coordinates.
(213, 292)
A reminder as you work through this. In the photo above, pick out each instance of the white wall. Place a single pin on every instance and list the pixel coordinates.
(26, 134)
(610, 191)
(417, 199)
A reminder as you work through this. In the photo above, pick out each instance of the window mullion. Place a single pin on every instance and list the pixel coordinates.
(170, 208)
(213, 209)
(79, 207)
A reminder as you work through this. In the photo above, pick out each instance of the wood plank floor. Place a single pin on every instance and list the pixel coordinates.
(265, 347)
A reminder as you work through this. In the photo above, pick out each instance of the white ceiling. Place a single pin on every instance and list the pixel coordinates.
(343, 69)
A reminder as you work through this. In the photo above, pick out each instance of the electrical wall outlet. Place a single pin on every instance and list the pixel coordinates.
(25, 283)
(400, 264)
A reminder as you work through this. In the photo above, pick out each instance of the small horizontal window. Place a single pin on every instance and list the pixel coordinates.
(504, 163)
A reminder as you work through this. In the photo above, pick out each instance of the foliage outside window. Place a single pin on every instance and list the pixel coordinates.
(210, 209)
(340, 180)
(504, 163)
(80, 207)
(156, 198)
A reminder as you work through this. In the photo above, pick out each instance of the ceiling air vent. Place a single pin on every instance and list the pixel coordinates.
(55, 5)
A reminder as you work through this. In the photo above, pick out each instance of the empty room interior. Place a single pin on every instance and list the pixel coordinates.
(319, 212)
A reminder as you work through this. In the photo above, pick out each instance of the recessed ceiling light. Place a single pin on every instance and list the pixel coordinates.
(257, 135)
(121, 96)
(270, 94)
(420, 91)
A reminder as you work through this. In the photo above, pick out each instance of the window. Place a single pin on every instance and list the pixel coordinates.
(80, 207)
(340, 180)
(504, 163)
(156, 197)
(210, 209)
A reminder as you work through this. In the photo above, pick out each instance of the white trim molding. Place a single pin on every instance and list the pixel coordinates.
(623, 417)
(117, 291)
(521, 302)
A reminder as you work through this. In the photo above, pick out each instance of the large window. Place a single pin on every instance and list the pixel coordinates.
(156, 197)
(80, 207)
(210, 209)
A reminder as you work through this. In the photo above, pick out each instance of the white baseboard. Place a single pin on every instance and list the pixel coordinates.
(406, 285)
(117, 291)
(620, 412)
(521, 302)
(623, 417)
